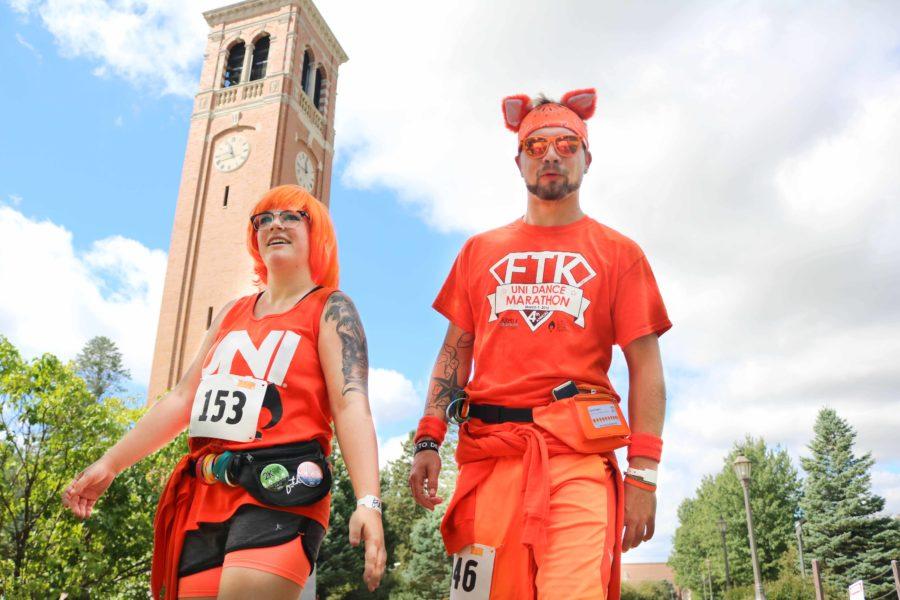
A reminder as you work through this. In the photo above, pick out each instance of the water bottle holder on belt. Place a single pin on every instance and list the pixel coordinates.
(272, 475)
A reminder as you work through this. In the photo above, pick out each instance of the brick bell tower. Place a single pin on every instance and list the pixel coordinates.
(263, 116)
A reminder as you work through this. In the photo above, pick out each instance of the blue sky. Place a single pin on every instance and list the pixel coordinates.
(751, 152)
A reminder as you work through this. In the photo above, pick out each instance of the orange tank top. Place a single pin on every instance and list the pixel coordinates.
(281, 349)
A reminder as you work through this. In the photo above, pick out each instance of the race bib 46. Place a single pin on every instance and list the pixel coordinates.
(473, 569)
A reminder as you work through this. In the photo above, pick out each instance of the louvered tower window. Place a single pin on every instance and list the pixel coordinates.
(260, 58)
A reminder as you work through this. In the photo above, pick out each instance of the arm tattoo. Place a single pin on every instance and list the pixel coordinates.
(354, 349)
(445, 389)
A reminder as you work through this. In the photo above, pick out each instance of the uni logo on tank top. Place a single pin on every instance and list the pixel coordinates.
(258, 359)
(537, 284)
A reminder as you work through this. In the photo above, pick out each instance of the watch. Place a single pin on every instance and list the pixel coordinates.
(645, 475)
(370, 501)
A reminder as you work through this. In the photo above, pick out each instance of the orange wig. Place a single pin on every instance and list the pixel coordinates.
(323, 259)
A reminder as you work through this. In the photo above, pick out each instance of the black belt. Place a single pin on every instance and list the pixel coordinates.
(492, 413)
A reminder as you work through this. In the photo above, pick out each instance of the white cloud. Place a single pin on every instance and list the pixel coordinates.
(155, 44)
(21, 6)
(390, 449)
(25, 44)
(15, 199)
(118, 121)
(56, 298)
(889, 484)
(392, 397)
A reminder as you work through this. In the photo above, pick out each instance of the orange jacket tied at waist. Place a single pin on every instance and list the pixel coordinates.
(479, 448)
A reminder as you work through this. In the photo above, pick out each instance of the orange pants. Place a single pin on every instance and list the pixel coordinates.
(287, 560)
(580, 530)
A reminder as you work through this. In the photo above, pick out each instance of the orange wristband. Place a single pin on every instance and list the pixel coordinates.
(645, 445)
(433, 427)
(640, 484)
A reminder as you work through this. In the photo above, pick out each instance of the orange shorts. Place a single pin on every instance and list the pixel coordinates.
(287, 560)
(580, 538)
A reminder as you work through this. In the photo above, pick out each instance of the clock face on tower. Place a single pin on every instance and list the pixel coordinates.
(305, 171)
(231, 153)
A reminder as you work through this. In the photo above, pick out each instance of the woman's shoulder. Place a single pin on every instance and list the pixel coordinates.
(338, 307)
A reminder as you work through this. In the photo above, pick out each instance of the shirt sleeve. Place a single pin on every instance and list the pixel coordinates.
(453, 300)
(638, 308)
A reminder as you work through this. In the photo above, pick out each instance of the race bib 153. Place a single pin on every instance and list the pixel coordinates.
(227, 407)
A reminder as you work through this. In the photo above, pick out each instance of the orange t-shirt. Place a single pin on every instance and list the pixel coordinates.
(546, 304)
(283, 350)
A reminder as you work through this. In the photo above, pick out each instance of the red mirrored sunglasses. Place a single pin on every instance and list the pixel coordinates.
(536, 146)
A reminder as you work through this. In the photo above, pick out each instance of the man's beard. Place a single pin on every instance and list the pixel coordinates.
(556, 190)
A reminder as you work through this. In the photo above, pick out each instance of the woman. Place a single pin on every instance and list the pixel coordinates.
(245, 511)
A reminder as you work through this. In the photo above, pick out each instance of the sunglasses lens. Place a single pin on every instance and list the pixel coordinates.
(568, 145)
(536, 147)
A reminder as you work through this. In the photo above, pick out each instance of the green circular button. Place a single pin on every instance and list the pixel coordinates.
(274, 477)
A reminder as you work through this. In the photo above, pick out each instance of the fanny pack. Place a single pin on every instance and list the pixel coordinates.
(287, 475)
(589, 423)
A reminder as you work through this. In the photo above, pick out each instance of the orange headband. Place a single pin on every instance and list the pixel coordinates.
(572, 111)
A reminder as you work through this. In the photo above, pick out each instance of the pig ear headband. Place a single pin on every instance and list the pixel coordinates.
(581, 102)
(514, 110)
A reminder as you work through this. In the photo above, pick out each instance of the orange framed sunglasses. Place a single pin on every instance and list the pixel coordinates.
(536, 146)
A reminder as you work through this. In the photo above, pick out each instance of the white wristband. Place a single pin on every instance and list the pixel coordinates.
(646, 475)
(370, 501)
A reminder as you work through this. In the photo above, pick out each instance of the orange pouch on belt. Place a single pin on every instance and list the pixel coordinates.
(588, 423)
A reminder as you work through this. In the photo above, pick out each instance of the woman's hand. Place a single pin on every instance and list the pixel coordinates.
(81, 495)
(365, 525)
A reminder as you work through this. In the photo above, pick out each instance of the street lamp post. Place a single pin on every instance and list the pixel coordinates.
(798, 527)
(723, 527)
(742, 470)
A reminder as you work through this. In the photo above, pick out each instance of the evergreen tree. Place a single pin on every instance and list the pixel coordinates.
(843, 526)
(774, 495)
(339, 567)
(423, 567)
(100, 364)
(417, 565)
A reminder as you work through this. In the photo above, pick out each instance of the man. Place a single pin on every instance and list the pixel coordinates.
(540, 509)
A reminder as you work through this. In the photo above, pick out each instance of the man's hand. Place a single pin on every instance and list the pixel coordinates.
(365, 525)
(640, 516)
(423, 479)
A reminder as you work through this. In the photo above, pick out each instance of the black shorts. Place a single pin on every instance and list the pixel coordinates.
(249, 527)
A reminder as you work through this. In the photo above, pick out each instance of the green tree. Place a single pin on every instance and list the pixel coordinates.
(843, 526)
(418, 567)
(648, 590)
(339, 567)
(50, 427)
(100, 364)
(423, 567)
(774, 496)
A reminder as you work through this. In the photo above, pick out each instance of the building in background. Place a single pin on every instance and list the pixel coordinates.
(263, 116)
(637, 573)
